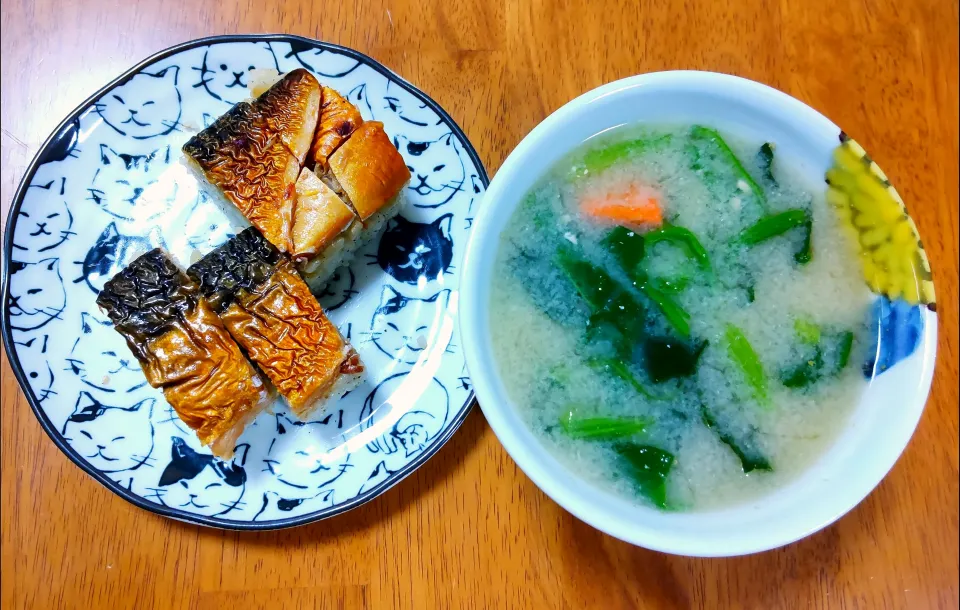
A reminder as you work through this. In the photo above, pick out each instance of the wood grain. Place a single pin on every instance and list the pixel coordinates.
(469, 529)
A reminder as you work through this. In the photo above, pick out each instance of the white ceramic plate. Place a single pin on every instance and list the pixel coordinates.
(879, 427)
(108, 185)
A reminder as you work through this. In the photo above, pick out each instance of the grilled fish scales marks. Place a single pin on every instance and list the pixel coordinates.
(243, 263)
(271, 313)
(253, 153)
(291, 108)
(184, 349)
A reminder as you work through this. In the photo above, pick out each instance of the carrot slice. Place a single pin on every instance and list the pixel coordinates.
(632, 206)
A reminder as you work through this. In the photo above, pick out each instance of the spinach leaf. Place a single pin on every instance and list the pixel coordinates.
(667, 358)
(765, 161)
(774, 225)
(601, 158)
(746, 358)
(601, 428)
(649, 467)
(745, 447)
(707, 143)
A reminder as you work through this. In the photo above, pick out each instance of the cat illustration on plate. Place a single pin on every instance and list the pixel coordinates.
(409, 109)
(101, 361)
(200, 483)
(112, 252)
(414, 429)
(126, 187)
(338, 290)
(33, 357)
(413, 252)
(322, 62)
(301, 465)
(438, 172)
(111, 438)
(225, 69)
(299, 457)
(47, 222)
(401, 326)
(36, 296)
(146, 106)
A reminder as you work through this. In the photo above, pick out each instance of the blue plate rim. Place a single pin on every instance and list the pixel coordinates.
(40, 158)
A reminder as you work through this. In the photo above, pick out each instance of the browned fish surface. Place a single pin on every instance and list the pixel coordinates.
(338, 119)
(291, 108)
(369, 169)
(254, 151)
(271, 313)
(320, 216)
(184, 349)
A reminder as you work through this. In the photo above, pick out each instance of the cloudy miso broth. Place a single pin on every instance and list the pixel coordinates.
(679, 317)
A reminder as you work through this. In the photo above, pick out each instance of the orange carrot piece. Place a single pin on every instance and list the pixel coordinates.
(633, 206)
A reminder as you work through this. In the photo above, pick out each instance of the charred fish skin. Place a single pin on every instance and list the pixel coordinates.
(184, 349)
(253, 153)
(244, 263)
(253, 169)
(271, 313)
(147, 297)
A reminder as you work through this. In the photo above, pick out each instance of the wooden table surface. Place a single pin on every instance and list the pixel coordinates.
(468, 529)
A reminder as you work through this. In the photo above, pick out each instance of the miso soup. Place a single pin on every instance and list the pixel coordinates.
(679, 316)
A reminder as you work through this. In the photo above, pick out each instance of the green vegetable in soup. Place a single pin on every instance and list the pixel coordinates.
(777, 224)
(805, 373)
(621, 321)
(765, 162)
(678, 317)
(600, 159)
(744, 446)
(829, 356)
(844, 347)
(807, 331)
(747, 360)
(620, 370)
(708, 143)
(682, 238)
(668, 358)
(601, 428)
(616, 315)
(649, 467)
(626, 246)
(592, 283)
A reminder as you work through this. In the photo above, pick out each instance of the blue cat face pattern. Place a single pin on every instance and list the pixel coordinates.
(112, 186)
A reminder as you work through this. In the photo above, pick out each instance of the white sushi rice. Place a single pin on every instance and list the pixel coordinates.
(341, 251)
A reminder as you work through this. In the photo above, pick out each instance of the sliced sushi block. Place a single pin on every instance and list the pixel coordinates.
(184, 349)
(326, 231)
(260, 156)
(368, 174)
(253, 153)
(271, 313)
(338, 119)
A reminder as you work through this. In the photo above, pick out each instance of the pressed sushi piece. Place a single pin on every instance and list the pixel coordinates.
(184, 349)
(271, 313)
(338, 119)
(326, 231)
(369, 171)
(320, 216)
(254, 152)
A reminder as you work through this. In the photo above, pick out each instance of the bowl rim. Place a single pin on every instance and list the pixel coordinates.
(495, 404)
